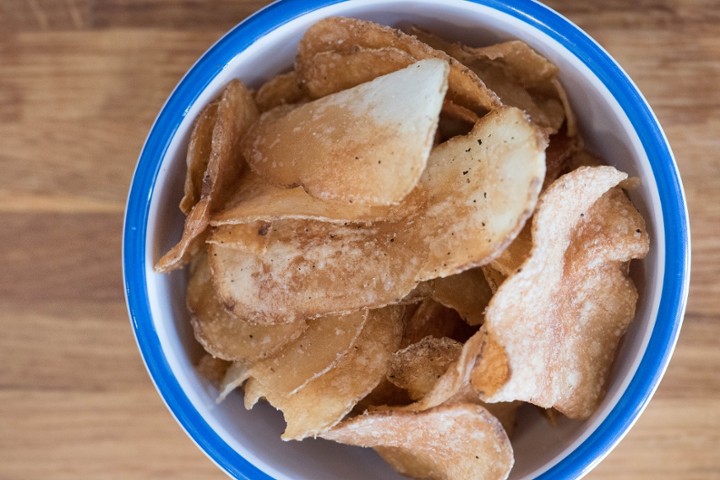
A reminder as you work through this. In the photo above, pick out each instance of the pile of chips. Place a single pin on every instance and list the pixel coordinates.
(401, 241)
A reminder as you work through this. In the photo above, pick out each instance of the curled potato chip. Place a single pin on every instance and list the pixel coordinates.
(455, 442)
(255, 200)
(236, 111)
(280, 90)
(473, 198)
(519, 75)
(343, 35)
(368, 144)
(198, 155)
(332, 71)
(223, 335)
(323, 402)
(317, 350)
(557, 321)
(417, 367)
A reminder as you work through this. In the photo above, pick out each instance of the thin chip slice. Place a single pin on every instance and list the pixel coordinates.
(198, 155)
(468, 293)
(368, 144)
(323, 402)
(256, 200)
(236, 111)
(225, 336)
(473, 198)
(330, 72)
(343, 35)
(519, 75)
(479, 189)
(316, 351)
(559, 319)
(417, 367)
(213, 369)
(282, 89)
(457, 442)
(307, 269)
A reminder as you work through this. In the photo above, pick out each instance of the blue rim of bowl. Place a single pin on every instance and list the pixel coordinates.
(673, 206)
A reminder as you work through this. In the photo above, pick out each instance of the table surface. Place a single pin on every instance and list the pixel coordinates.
(80, 84)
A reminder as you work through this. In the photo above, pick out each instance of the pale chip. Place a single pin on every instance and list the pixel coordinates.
(198, 155)
(223, 335)
(455, 442)
(468, 293)
(368, 144)
(559, 319)
(323, 402)
(236, 112)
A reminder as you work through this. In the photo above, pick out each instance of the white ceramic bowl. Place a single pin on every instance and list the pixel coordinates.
(614, 119)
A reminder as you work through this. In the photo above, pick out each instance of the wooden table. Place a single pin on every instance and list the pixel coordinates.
(80, 84)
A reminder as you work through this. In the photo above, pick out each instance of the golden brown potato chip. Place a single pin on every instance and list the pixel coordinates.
(198, 155)
(492, 276)
(223, 335)
(511, 258)
(368, 144)
(316, 351)
(473, 198)
(559, 318)
(282, 89)
(417, 367)
(330, 72)
(479, 189)
(468, 293)
(517, 74)
(456, 442)
(323, 402)
(309, 269)
(344, 35)
(236, 111)
(256, 200)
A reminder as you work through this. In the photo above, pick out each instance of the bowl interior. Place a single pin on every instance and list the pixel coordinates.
(255, 436)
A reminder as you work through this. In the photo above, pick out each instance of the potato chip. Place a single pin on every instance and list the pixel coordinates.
(316, 351)
(368, 144)
(456, 442)
(225, 336)
(480, 190)
(492, 276)
(256, 200)
(198, 155)
(343, 35)
(517, 74)
(310, 269)
(417, 367)
(282, 89)
(559, 318)
(473, 198)
(323, 402)
(468, 293)
(330, 72)
(558, 155)
(511, 258)
(236, 111)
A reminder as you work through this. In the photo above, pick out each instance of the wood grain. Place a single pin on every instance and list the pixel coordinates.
(80, 84)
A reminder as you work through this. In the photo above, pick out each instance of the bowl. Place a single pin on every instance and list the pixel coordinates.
(615, 121)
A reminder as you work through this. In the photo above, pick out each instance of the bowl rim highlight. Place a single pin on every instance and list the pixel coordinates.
(676, 232)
